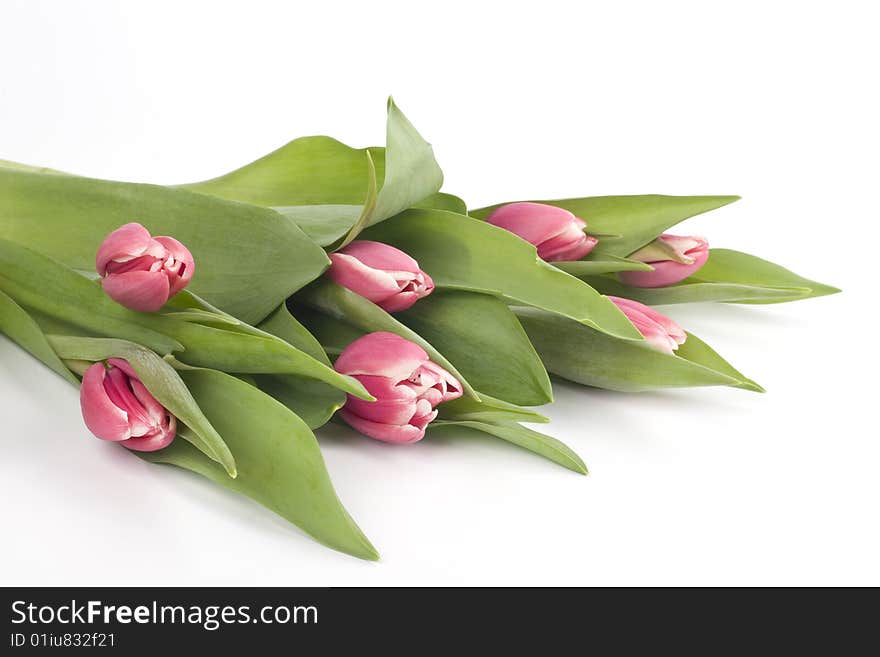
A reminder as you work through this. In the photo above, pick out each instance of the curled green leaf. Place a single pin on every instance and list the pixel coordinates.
(279, 462)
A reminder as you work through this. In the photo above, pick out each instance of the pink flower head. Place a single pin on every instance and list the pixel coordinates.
(556, 232)
(406, 384)
(116, 406)
(659, 331)
(142, 272)
(383, 274)
(690, 253)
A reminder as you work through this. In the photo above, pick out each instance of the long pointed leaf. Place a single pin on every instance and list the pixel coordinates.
(279, 462)
(546, 446)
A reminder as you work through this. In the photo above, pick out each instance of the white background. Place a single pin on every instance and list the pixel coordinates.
(775, 101)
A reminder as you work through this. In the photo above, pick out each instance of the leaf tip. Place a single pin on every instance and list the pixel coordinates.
(748, 384)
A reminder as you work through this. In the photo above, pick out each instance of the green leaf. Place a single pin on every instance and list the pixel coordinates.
(162, 380)
(488, 409)
(279, 462)
(540, 444)
(728, 276)
(695, 350)
(67, 217)
(368, 211)
(442, 201)
(637, 219)
(306, 171)
(324, 224)
(411, 172)
(233, 351)
(602, 265)
(24, 331)
(222, 342)
(8, 164)
(285, 326)
(320, 171)
(578, 353)
(334, 334)
(311, 400)
(481, 336)
(466, 254)
(343, 305)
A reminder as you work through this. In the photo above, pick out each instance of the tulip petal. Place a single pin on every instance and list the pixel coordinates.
(154, 441)
(381, 256)
(449, 387)
(118, 388)
(183, 267)
(669, 272)
(138, 290)
(395, 404)
(389, 433)
(674, 331)
(399, 302)
(381, 354)
(373, 284)
(125, 243)
(534, 222)
(567, 247)
(103, 418)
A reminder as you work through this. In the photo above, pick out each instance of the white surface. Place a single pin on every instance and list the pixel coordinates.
(773, 101)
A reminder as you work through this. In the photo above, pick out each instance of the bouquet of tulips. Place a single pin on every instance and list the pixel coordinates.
(216, 325)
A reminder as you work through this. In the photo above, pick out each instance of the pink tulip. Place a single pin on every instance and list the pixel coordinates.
(386, 276)
(659, 331)
(556, 232)
(142, 272)
(690, 253)
(406, 384)
(116, 406)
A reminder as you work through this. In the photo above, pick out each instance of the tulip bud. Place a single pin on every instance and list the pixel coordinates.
(673, 257)
(381, 273)
(116, 406)
(659, 331)
(142, 272)
(556, 232)
(406, 384)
